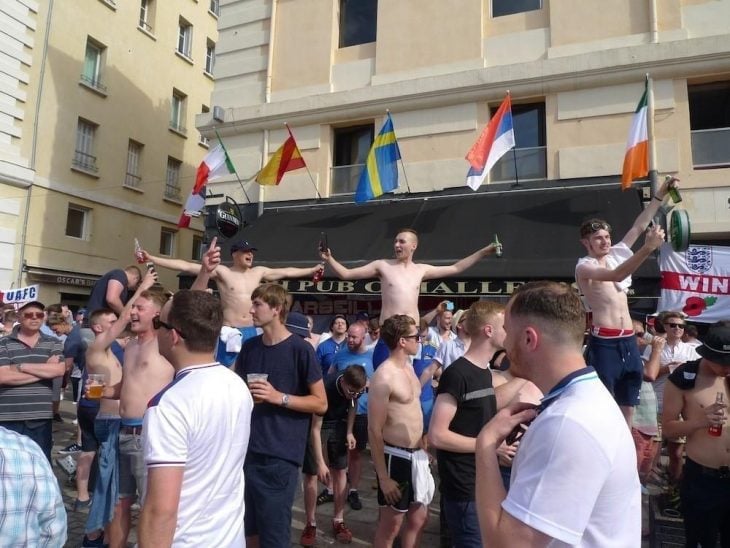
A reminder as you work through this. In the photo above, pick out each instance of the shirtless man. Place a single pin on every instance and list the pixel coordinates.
(395, 427)
(400, 278)
(691, 409)
(103, 356)
(604, 277)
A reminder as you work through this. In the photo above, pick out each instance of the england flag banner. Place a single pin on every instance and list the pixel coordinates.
(696, 282)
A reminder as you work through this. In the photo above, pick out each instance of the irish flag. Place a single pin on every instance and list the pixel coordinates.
(215, 164)
(286, 158)
(636, 161)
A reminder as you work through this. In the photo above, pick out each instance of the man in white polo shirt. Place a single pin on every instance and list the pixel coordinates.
(195, 434)
(574, 480)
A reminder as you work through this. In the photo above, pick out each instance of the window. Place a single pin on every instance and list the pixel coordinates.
(146, 15)
(177, 111)
(530, 150)
(358, 22)
(84, 158)
(167, 242)
(93, 62)
(198, 248)
(204, 140)
(77, 221)
(134, 155)
(184, 38)
(209, 57)
(709, 121)
(215, 7)
(172, 179)
(508, 7)
(350, 150)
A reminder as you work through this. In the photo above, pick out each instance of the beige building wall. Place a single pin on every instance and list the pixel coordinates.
(130, 100)
(440, 70)
(21, 43)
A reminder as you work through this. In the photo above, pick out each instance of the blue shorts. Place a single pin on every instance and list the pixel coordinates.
(617, 361)
(228, 358)
(106, 488)
(270, 486)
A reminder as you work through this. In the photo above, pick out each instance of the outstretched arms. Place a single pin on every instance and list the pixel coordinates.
(367, 271)
(458, 267)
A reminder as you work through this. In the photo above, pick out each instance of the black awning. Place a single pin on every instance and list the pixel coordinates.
(538, 228)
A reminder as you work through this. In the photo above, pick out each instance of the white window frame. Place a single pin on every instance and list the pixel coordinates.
(145, 15)
(84, 157)
(172, 179)
(178, 107)
(184, 38)
(85, 221)
(93, 68)
(198, 248)
(209, 57)
(169, 249)
(132, 178)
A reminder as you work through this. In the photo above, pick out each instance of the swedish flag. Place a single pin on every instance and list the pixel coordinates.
(381, 169)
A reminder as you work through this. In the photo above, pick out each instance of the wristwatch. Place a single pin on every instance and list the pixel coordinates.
(285, 400)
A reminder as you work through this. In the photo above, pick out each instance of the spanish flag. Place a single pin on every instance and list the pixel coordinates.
(636, 161)
(286, 158)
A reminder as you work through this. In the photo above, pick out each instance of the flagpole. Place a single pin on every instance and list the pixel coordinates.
(405, 175)
(319, 196)
(514, 151)
(235, 171)
(653, 176)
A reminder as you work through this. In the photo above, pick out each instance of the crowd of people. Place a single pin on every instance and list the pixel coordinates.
(209, 411)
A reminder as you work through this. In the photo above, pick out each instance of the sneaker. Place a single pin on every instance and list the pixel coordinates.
(341, 532)
(324, 497)
(354, 499)
(96, 543)
(309, 535)
(72, 449)
(80, 505)
(57, 417)
(67, 464)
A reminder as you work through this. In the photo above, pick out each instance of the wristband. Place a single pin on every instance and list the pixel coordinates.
(658, 199)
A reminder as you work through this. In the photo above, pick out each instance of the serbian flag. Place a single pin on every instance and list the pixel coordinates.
(494, 142)
(286, 158)
(215, 164)
(636, 161)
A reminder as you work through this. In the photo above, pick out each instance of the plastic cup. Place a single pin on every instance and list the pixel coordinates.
(95, 386)
(256, 377)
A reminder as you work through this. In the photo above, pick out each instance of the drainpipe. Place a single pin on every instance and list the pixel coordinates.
(269, 71)
(653, 22)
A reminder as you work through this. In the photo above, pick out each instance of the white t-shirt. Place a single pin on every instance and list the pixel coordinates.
(681, 352)
(201, 421)
(450, 351)
(574, 477)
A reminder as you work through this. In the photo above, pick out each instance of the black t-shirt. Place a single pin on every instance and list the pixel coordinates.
(292, 366)
(471, 387)
(685, 376)
(97, 299)
(337, 404)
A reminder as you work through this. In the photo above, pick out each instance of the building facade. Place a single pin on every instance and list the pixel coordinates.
(112, 91)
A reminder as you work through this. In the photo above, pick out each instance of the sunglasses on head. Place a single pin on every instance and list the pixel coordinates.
(33, 315)
(595, 226)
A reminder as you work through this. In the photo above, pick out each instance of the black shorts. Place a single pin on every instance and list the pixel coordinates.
(309, 466)
(86, 417)
(360, 431)
(400, 471)
(334, 440)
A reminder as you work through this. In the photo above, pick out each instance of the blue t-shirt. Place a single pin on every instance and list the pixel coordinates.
(326, 352)
(292, 366)
(97, 299)
(420, 362)
(344, 358)
(75, 347)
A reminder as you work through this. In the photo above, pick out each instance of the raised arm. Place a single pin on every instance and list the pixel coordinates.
(652, 366)
(429, 316)
(173, 264)
(460, 266)
(113, 295)
(211, 261)
(654, 239)
(645, 217)
(365, 272)
(273, 274)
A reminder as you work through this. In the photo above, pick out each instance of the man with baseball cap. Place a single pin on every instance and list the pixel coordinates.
(235, 284)
(695, 403)
(29, 361)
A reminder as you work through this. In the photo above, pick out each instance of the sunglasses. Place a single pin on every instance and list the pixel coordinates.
(640, 333)
(354, 393)
(416, 337)
(33, 315)
(595, 227)
(676, 325)
(157, 323)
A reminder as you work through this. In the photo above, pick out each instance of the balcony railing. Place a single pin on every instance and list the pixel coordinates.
(531, 165)
(93, 82)
(178, 127)
(172, 192)
(144, 25)
(85, 161)
(132, 181)
(345, 178)
(711, 148)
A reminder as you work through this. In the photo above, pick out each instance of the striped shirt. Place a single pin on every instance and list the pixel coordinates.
(32, 512)
(30, 401)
